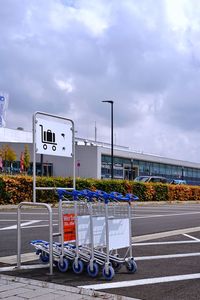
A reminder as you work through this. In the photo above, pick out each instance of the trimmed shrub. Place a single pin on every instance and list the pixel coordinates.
(15, 189)
(161, 192)
(140, 190)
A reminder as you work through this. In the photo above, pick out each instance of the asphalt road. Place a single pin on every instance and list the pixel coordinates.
(166, 244)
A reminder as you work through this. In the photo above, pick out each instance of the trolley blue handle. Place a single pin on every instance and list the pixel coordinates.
(90, 195)
(129, 198)
(39, 242)
(119, 197)
(74, 193)
(133, 197)
(98, 194)
(115, 195)
(103, 195)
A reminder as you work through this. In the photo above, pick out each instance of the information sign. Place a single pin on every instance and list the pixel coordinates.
(53, 137)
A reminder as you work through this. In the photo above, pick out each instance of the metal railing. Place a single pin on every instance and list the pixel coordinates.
(48, 207)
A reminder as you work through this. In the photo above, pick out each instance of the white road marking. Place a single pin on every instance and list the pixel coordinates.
(123, 284)
(8, 212)
(167, 256)
(22, 225)
(32, 256)
(29, 267)
(159, 235)
(38, 226)
(167, 215)
(165, 206)
(164, 211)
(25, 213)
(191, 237)
(140, 239)
(14, 220)
(12, 259)
(166, 243)
(29, 227)
(6, 220)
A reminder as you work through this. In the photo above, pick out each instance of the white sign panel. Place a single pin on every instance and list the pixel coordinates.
(53, 138)
(118, 232)
(3, 108)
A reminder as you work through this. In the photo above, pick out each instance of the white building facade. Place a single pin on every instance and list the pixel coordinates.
(93, 160)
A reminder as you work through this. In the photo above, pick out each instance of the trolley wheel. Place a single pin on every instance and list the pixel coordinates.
(131, 266)
(79, 268)
(110, 274)
(38, 251)
(55, 262)
(63, 266)
(44, 257)
(94, 272)
(117, 266)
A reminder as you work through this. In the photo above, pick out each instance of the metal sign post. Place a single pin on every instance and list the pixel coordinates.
(52, 135)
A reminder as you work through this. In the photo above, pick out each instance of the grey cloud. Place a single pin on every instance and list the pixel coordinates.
(137, 60)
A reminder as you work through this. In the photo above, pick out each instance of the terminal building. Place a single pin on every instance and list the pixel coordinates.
(93, 160)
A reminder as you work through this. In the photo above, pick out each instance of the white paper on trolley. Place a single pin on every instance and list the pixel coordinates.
(118, 232)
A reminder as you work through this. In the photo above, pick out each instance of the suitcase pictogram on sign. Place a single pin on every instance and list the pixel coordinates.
(48, 137)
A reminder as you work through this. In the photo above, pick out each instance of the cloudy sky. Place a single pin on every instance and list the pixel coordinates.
(66, 56)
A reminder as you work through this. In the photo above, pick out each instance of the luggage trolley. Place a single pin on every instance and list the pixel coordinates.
(86, 242)
(79, 209)
(68, 249)
(115, 213)
(95, 261)
(98, 225)
(64, 252)
(105, 217)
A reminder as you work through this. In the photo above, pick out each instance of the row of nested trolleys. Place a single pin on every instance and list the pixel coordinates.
(95, 232)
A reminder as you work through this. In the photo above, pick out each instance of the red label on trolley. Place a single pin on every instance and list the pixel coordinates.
(69, 227)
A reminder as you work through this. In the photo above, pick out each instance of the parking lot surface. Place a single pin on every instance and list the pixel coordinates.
(166, 245)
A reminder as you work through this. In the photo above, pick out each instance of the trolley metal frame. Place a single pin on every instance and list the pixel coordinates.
(100, 257)
(95, 252)
(48, 207)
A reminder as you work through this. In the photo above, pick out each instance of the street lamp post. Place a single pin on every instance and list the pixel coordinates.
(182, 173)
(111, 103)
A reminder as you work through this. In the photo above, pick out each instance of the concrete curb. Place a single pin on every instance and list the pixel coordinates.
(71, 292)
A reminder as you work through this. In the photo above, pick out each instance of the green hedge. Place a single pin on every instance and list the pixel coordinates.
(15, 189)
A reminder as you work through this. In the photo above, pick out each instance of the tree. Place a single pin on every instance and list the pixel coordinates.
(8, 156)
(26, 157)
